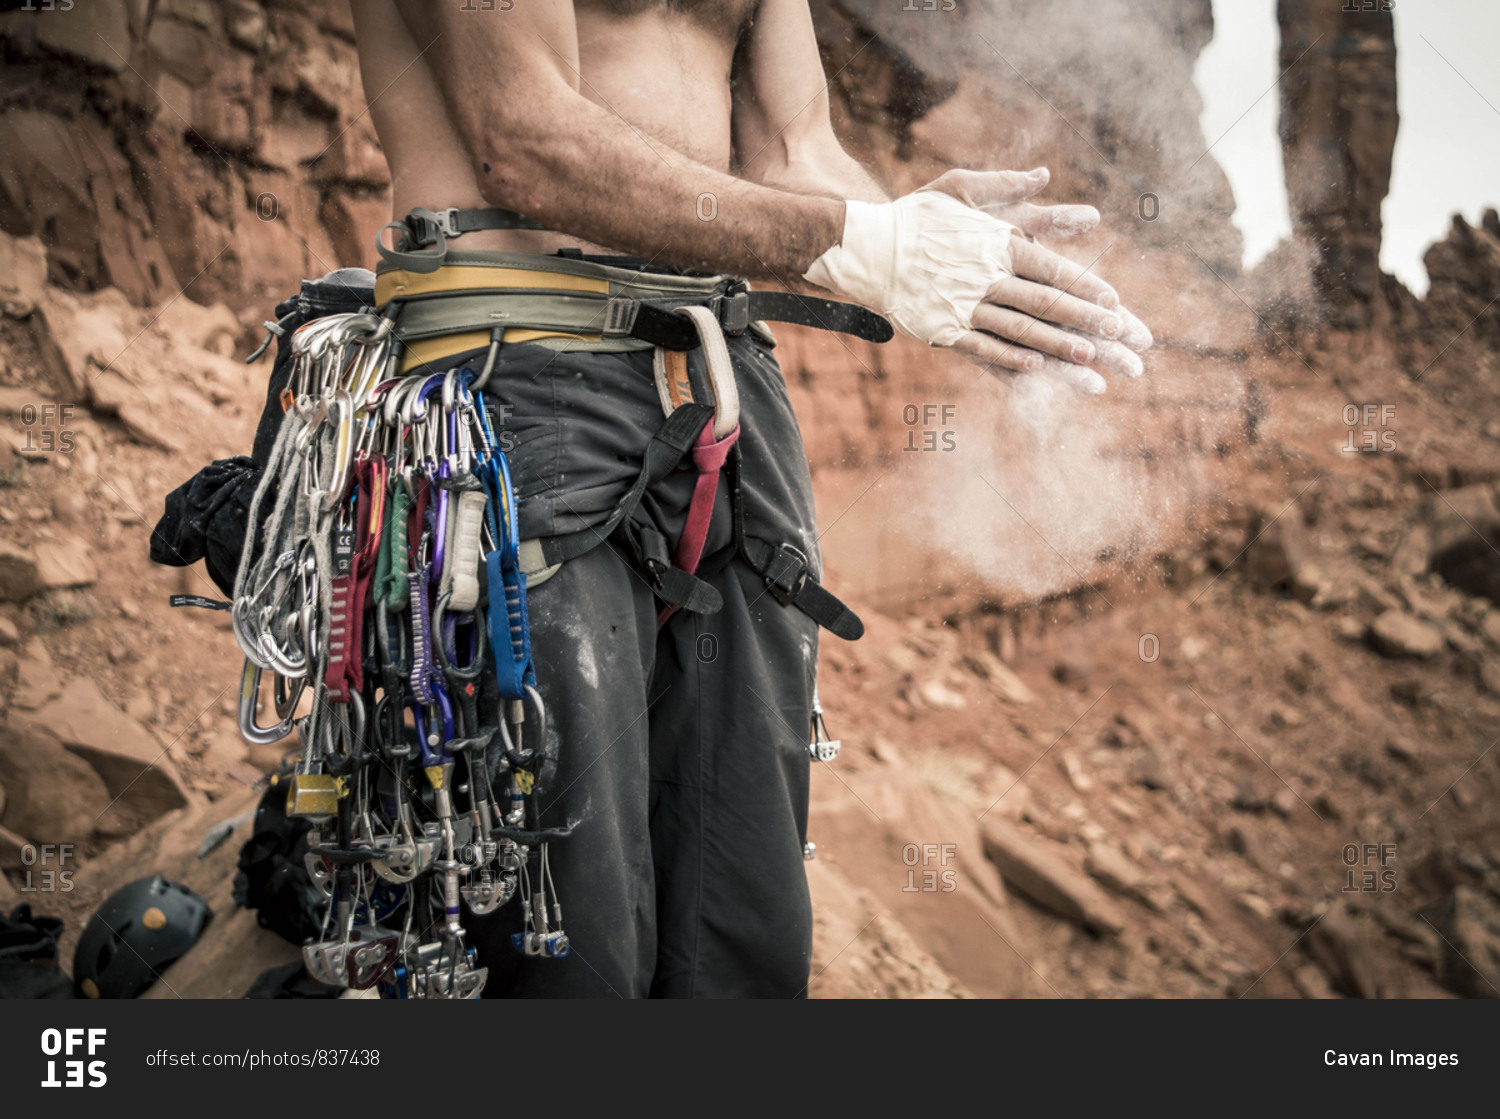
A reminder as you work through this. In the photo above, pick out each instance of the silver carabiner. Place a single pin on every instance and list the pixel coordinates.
(250, 730)
(240, 627)
(351, 726)
(380, 332)
(286, 701)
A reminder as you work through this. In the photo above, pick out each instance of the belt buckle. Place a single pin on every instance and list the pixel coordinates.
(427, 228)
(787, 595)
(619, 316)
(733, 312)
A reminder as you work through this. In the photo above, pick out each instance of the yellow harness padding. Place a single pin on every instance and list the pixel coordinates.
(478, 299)
(454, 279)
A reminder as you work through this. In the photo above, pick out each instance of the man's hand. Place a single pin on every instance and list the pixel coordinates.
(947, 265)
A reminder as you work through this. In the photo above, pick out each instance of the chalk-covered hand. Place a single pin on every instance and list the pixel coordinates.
(945, 265)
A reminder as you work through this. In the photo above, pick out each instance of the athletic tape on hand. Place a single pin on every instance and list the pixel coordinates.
(924, 261)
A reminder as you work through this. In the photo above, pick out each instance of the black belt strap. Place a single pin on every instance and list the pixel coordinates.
(672, 584)
(783, 567)
(825, 314)
(659, 324)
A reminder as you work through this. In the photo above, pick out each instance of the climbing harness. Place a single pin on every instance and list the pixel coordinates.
(452, 306)
(383, 581)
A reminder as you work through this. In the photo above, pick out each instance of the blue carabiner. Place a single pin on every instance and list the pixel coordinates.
(508, 621)
(435, 720)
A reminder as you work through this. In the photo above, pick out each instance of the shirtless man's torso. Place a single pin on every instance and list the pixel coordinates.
(663, 66)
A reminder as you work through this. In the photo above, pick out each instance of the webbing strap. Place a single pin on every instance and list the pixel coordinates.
(679, 589)
(427, 227)
(682, 590)
(343, 671)
(455, 222)
(709, 455)
(719, 367)
(506, 625)
(351, 587)
(507, 620)
(824, 314)
(391, 587)
(672, 441)
(459, 576)
(785, 572)
(659, 323)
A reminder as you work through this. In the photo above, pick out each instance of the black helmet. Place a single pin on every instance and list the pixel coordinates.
(143, 928)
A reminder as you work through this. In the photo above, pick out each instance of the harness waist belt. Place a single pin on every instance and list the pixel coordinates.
(586, 304)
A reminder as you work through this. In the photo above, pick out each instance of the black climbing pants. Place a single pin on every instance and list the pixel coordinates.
(683, 766)
(681, 755)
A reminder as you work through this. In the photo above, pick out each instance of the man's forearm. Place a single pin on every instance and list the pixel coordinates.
(594, 176)
(832, 174)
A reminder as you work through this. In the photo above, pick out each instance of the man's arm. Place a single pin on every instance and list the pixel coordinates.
(783, 131)
(512, 86)
(940, 262)
(784, 138)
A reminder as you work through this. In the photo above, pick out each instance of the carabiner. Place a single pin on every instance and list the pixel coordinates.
(252, 731)
(445, 628)
(286, 701)
(351, 727)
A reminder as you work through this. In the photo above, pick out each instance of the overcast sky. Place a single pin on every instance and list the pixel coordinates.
(1447, 149)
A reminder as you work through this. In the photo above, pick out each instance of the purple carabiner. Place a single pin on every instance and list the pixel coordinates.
(440, 527)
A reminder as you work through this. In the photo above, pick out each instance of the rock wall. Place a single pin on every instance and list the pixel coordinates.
(1464, 270)
(221, 148)
(1338, 133)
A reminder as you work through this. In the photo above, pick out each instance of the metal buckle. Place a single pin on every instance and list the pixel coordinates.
(733, 312)
(619, 316)
(787, 595)
(420, 232)
(426, 229)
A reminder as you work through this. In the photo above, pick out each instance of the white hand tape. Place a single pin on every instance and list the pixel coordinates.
(924, 261)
